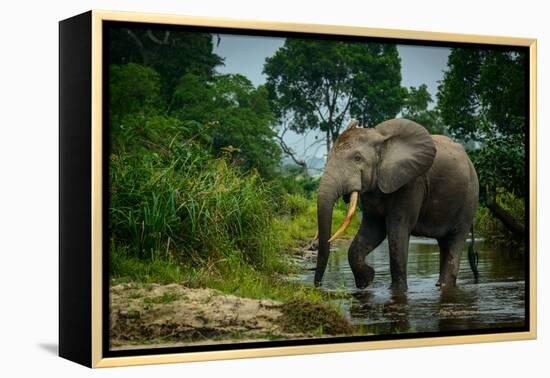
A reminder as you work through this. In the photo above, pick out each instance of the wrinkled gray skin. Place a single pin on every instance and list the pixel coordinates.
(410, 183)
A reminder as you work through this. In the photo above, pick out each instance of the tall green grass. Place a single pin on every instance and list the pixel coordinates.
(170, 197)
(179, 215)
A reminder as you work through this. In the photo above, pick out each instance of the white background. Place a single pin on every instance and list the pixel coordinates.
(29, 188)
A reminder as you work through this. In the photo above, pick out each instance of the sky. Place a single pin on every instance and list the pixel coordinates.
(246, 55)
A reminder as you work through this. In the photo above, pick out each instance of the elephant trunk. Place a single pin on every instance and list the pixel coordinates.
(325, 205)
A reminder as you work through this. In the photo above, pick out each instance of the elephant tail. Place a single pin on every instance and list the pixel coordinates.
(473, 257)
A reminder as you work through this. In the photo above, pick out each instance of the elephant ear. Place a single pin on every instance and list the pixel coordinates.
(408, 152)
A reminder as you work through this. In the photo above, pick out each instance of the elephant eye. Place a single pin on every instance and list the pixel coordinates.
(357, 158)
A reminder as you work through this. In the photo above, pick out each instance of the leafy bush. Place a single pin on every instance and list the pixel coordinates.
(141, 97)
(295, 184)
(500, 163)
(169, 196)
(241, 113)
(184, 205)
(295, 204)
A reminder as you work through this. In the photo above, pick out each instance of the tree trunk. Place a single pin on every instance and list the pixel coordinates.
(329, 141)
(507, 219)
(515, 227)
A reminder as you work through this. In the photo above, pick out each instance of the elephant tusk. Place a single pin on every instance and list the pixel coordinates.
(347, 219)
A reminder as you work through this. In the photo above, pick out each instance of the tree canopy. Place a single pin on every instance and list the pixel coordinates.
(416, 108)
(171, 53)
(238, 116)
(482, 99)
(320, 84)
(169, 77)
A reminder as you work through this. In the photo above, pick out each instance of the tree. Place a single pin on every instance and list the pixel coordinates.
(171, 74)
(288, 151)
(134, 94)
(482, 101)
(133, 89)
(299, 159)
(171, 53)
(416, 109)
(320, 84)
(483, 92)
(239, 118)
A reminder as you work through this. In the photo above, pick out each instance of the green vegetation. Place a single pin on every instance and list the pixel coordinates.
(186, 205)
(416, 109)
(319, 84)
(182, 209)
(488, 114)
(246, 260)
(301, 225)
(304, 317)
(180, 215)
(492, 228)
(191, 161)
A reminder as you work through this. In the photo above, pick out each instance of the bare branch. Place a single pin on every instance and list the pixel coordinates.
(320, 114)
(156, 40)
(317, 149)
(317, 142)
(288, 151)
(340, 117)
(139, 45)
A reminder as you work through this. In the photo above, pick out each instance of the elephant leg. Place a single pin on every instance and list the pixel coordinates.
(451, 248)
(371, 233)
(443, 252)
(398, 240)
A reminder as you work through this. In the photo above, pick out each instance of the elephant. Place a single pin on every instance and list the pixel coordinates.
(407, 182)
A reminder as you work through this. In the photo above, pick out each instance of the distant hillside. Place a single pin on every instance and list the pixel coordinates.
(315, 165)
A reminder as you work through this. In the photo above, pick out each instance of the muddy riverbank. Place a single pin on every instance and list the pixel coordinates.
(155, 315)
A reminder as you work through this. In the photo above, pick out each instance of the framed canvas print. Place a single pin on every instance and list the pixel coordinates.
(235, 189)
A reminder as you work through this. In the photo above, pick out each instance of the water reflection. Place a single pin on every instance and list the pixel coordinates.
(498, 300)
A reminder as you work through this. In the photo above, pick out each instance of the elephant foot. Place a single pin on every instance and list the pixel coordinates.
(364, 278)
(446, 280)
(449, 282)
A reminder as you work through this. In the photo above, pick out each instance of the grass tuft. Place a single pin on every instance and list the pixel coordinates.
(302, 316)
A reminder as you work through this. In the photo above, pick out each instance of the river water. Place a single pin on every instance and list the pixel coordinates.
(497, 301)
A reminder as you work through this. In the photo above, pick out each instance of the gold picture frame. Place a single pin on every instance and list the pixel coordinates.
(82, 228)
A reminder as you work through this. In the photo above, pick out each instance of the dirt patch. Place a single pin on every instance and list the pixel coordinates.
(161, 315)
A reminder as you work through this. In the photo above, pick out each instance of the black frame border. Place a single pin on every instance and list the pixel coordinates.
(75, 183)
